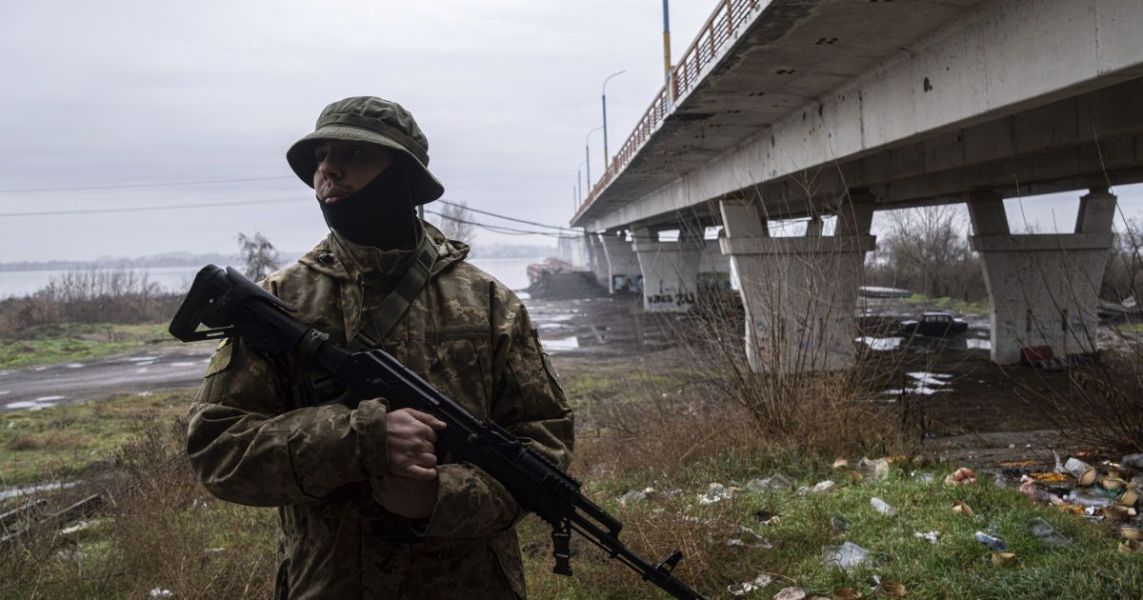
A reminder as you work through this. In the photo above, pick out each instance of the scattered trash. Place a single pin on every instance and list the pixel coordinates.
(961, 508)
(765, 517)
(755, 541)
(841, 463)
(1130, 546)
(882, 507)
(996, 543)
(218, 550)
(161, 593)
(839, 523)
(791, 593)
(925, 477)
(1003, 559)
(1112, 483)
(892, 589)
(1118, 513)
(847, 557)
(636, 496)
(823, 487)
(759, 582)
(877, 469)
(1132, 461)
(1129, 498)
(931, 536)
(775, 483)
(961, 476)
(846, 593)
(716, 492)
(1047, 534)
(1087, 499)
(1131, 532)
(1084, 473)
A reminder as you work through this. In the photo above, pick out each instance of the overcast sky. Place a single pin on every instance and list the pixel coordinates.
(141, 92)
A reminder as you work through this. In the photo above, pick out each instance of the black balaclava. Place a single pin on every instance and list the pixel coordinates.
(380, 214)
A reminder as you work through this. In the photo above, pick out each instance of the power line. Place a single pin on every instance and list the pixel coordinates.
(506, 218)
(153, 208)
(118, 186)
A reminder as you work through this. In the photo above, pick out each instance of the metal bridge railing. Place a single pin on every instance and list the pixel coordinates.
(707, 47)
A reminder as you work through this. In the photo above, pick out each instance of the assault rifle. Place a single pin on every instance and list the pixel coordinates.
(229, 305)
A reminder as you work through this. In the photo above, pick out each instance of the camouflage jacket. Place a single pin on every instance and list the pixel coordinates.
(255, 436)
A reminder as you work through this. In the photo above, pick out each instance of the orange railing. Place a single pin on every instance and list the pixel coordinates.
(727, 17)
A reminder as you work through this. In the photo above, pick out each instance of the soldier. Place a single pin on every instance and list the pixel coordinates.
(368, 506)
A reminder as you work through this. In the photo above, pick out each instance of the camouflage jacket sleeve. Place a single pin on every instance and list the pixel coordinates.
(247, 445)
(529, 402)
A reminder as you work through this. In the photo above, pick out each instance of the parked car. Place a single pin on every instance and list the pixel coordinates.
(936, 324)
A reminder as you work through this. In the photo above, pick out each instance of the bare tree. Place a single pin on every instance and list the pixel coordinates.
(259, 256)
(927, 250)
(456, 222)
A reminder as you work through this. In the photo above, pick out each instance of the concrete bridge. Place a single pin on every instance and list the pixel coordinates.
(812, 108)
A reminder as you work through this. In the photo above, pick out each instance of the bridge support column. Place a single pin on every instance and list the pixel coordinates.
(714, 267)
(800, 293)
(597, 259)
(670, 269)
(1044, 288)
(623, 275)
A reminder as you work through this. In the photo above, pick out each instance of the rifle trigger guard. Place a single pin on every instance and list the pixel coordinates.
(667, 565)
(561, 549)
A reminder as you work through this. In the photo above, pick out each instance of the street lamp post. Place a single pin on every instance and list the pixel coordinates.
(606, 158)
(587, 155)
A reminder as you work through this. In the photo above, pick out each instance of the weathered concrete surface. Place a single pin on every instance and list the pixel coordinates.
(1044, 288)
(918, 102)
(799, 292)
(623, 273)
(670, 269)
(598, 259)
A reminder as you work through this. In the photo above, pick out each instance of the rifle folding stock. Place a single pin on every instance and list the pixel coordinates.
(229, 305)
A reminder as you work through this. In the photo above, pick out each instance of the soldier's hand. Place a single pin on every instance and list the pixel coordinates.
(412, 437)
(406, 497)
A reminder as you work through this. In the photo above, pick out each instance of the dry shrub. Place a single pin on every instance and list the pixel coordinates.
(1102, 405)
(159, 529)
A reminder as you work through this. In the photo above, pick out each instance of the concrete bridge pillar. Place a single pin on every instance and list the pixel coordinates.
(597, 259)
(1044, 288)
(623, 273)
(714, 266)
(670, 269)
(800, 293)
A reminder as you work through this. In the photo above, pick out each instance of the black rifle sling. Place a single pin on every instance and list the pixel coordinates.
(396, 303)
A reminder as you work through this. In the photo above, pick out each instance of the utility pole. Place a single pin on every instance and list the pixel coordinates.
(667, 45)
(606, 157)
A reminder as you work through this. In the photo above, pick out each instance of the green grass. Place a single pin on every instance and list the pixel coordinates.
(77, 341)
(64, 441)
(957, 566)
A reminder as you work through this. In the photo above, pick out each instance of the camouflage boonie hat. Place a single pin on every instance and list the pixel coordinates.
(374, 121)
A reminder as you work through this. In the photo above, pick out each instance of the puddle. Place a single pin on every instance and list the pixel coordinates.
(38, 369)
(37, 404)
(143, 370)
(183, 364)
(978, 344)
(5, 392)
(28, 490)
(923, 383)
(881, 343)
(5, 373)
(561, 344)
(76, 365)
(143, 359)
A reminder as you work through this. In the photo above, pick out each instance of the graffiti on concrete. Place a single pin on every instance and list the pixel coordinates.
(679, 299)
(625, 284)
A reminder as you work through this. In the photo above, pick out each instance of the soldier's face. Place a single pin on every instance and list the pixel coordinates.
(345, 167)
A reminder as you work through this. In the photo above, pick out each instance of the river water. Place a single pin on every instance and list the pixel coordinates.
(512, 272)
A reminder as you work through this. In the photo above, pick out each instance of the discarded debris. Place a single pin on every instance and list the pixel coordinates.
(716, 492)
(1084, 473)
(753, 539)
(961, 476)
(839, 523)
(846, 593)
(774, 483)
(823, 487)
(996, 543)
(1088, 499)
(892, 589)
(841, 463)
(791, 593)
(882, 507)
(160, 593)
(1003, 559)
(1130, 546)
(1046, 533)
(877, 469)
(961, 508)
(759, 582)
(636, 496)
(848, 556)
(931, 536)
